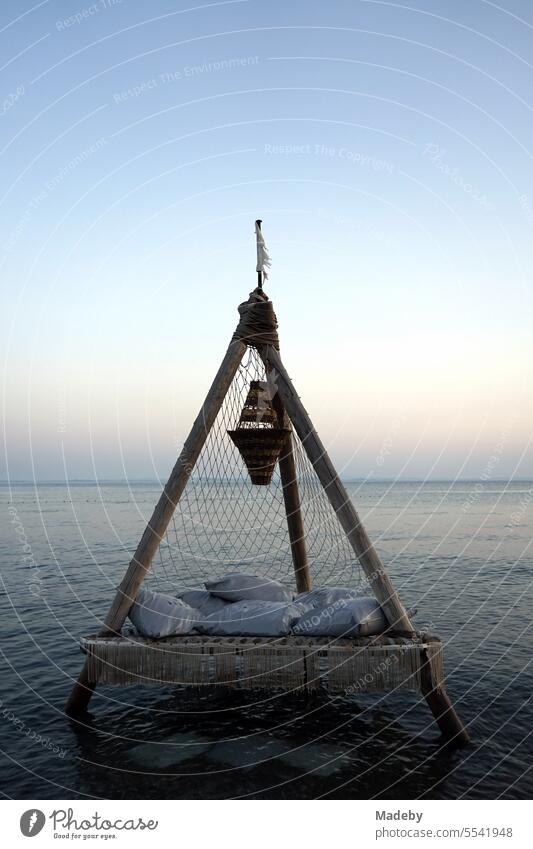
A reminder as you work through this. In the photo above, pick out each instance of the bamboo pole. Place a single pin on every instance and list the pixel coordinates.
(291, 497)
(291, 492)
(140, 563)
(338, 497)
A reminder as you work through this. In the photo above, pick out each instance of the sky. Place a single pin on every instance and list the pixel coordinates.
(387, 148)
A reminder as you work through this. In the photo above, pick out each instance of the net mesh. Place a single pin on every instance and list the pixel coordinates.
(223, 522)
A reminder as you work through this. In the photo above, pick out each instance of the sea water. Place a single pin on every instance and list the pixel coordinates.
(459, 552)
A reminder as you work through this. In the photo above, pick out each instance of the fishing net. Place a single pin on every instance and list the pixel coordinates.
(223, 522)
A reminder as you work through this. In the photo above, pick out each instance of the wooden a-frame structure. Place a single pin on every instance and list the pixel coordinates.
(109, 653)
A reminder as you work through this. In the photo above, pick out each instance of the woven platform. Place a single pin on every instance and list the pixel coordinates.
(340, 666)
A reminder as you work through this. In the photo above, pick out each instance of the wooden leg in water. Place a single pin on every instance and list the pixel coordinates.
(446, 718)
(442, 709)
(81, 694)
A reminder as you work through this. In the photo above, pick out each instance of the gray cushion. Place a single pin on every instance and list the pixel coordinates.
(239, 586)
(203, 601)
(157, 615)
(323, 596)
(358, 617)
(252, 619)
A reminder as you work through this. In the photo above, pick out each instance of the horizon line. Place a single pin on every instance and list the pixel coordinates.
(161, 482)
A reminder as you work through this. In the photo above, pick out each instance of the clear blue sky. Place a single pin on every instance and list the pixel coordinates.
(387, 148)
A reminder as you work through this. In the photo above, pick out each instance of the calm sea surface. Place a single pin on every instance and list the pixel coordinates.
(458, 552)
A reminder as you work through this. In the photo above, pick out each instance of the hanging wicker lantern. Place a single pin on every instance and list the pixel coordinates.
(257, 435)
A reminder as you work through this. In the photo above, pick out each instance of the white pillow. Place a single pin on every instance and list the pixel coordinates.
(358, 617)
(157, 615)
(251, 619)
(238, 586)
